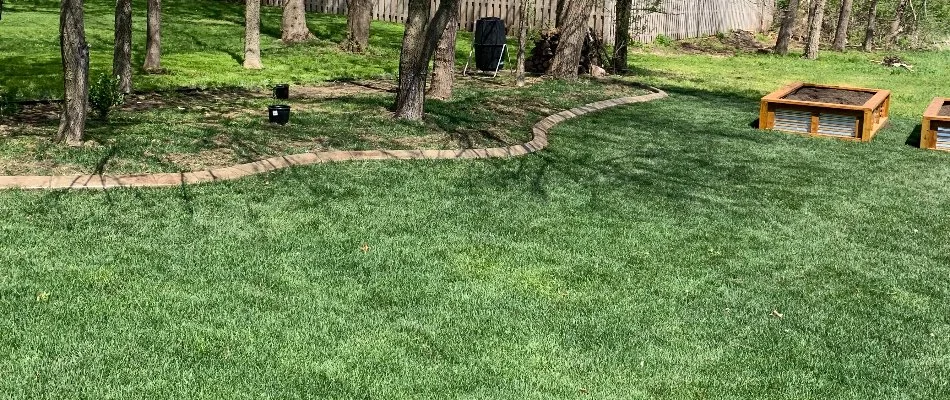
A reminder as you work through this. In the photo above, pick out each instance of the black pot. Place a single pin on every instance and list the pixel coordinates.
(282, 91)
(278, 114)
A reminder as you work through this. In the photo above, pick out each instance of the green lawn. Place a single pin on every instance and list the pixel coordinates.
(639, 256)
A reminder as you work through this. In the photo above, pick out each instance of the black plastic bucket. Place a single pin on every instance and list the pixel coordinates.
(278, 114)
(282, 91)
(489, 43)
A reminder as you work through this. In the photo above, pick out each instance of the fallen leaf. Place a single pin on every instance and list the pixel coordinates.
(364, 247)
(777, 314)
(42, 296)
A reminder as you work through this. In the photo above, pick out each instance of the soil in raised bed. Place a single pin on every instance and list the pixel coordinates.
(830, 95)
(945, 110)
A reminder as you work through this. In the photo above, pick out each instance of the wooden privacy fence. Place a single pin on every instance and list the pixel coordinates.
(677, 19)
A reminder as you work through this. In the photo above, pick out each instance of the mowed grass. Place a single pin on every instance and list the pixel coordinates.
(640, 256)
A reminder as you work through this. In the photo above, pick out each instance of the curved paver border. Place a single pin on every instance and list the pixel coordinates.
(540, 141)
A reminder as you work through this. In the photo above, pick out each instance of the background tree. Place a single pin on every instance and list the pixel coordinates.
(868, 44)
(841, 32)
(359, 15)
(75, 54)
(153, 37)
(293, 26)
(788, 25)
(443, 66)
(252, 34)
(573, 30)
(815, 18)
(621, 34)
(122, 55)
(896, 24)
(524, 14)
(421, 36)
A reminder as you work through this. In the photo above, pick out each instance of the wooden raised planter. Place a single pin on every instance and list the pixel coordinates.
(845, 121)
(935, 130)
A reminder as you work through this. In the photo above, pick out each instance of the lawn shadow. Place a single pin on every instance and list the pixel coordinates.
(914, 139)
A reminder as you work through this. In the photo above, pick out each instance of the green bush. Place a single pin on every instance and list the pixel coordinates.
(663, 40)
(104, 95)
(9, 104)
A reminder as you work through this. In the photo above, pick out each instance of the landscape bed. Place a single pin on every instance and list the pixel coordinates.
(935, 129)
(824, 110)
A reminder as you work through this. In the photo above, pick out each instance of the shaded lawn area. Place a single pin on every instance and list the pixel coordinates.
(635, 258)
(175, 132)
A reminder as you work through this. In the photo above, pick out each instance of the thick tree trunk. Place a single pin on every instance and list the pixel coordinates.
(869, 32)
(443, 66)
(75, 52)
(622, 35)
(293, 26)
(573, 30)
(122, 54)
(252, 34)
(418, 43)
(153, 38)
(841, 33)
(524, 13)
(896, 24)
(359, 14)
(815, 17)
(788, 24)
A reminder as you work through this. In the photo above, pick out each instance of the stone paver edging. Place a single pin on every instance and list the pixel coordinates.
(540, 141)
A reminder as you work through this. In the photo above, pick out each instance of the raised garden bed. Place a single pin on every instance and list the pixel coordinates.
(823, 110)
(935, 129)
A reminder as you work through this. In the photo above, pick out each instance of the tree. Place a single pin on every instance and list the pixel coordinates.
(841, 33)
(443, 66)
(622, 35)
(868, 44)
(252, 35)
(293, 26)
(815, 16)
(153, 37)
(896, 24)
(421, 36)
(359, 14)
(75, 54)
(788, 24)
(122, 55)
(524, 13)
(573, 30)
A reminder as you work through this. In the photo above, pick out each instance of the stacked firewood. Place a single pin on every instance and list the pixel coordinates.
(541, 57)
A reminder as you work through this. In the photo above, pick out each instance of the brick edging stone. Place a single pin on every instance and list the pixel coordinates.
(103, 181)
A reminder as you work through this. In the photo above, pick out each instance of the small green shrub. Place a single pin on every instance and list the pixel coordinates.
(9, 102)
(104, 94)
(663, 40)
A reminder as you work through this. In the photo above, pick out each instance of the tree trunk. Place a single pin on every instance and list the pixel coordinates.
(359, 14)
(443, 66)
(621, 35)
(868, 44)
(788, 24)
(523, 15)
(252, 35)
(815, 17)
(573, 30)
(153, 38)
(896, 24)
(122, 54)
(418, 43)
(75, 53)
(841, 33)
(293, 26)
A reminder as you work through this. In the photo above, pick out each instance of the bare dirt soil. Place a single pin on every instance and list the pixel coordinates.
(945, 110)
(830, 95)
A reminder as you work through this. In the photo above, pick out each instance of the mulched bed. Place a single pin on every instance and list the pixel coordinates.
(830, 95)
(945, 110)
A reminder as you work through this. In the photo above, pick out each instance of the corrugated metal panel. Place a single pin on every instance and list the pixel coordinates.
(837, 125)
(943, 138)
(793, 121)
